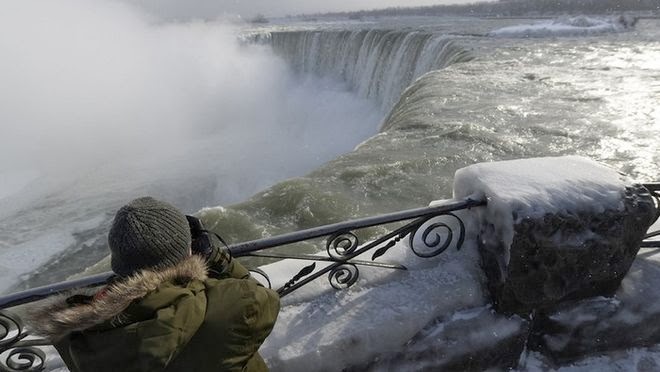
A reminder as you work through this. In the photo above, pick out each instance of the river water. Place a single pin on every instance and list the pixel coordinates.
(374, 116)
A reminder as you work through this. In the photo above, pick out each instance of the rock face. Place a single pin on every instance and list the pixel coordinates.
(570, 254)
(623, 330)
(631, 318)
(472, 340)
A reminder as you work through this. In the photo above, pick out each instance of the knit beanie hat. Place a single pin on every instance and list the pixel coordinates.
(147, 233)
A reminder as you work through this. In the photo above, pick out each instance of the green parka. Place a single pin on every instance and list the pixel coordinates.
(189, 317)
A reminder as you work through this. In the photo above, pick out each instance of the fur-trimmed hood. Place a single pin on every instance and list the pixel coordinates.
(55, 317)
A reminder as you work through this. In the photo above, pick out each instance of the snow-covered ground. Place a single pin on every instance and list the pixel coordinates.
(438, 309)
(333, 330)
(573, 26)
(530, 188)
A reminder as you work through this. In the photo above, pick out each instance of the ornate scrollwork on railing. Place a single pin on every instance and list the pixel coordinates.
(11, 329)
(24, 359)
(438, 234)
(342, 244)
(343, 276)
(651, 240)
(428, 236)
(654, 190)
(16, 353)
(430, 230)
(262, 274)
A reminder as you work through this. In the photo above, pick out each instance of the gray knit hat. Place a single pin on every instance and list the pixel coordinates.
(147, 233)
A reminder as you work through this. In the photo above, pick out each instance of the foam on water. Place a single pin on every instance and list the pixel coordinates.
(19, 261)
(13, 182)
(106, 104)
(517, 99)
(375, 63)
(534, 99)
(567, 26)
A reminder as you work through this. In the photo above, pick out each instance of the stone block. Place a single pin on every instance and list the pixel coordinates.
(630, 318)
(565, 255)
(469, 340)
(554, 229)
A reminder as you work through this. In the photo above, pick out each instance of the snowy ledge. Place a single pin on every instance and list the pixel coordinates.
(554, 228)
(425, 317)
(532, 188)
(540, 270)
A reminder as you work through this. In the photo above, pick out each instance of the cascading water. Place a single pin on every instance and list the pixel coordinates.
(522, 99)
(376, 64)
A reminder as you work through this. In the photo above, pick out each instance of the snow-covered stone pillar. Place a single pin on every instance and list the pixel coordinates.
(554, 228)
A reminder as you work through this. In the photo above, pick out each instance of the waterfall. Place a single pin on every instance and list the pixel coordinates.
(377, 64)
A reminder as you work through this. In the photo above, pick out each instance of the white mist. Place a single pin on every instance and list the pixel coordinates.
(100, 103)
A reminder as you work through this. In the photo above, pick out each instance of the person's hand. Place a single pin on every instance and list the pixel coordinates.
(201, 245)
(201, 241)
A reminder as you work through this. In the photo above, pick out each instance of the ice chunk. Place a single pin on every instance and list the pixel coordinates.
(332, 330)
(516, 189)
(572, 26)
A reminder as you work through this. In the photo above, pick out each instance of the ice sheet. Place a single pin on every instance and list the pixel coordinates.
(573, 26)
(331, 330)
(517, 189)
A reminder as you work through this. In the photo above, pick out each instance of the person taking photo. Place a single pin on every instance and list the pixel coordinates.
(178, 302)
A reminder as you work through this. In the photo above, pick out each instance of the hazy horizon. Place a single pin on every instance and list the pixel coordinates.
(209, 9)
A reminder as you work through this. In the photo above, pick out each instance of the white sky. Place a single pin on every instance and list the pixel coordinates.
(214, 8)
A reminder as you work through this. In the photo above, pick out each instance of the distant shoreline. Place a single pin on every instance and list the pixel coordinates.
(517, 9)
(555, 17)
(487, 17)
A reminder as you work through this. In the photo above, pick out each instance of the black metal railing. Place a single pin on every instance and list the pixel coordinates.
(19, 351)
(429, 231)
(651, 240)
